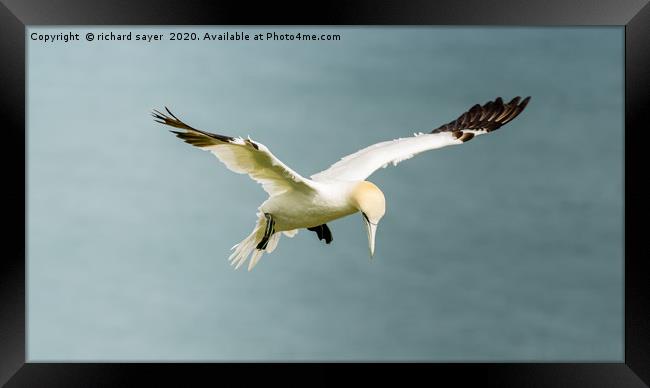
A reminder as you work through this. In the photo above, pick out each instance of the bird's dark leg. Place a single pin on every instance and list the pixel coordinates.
(323, 232)
(319, 231)
(270, 229)
(327, 233)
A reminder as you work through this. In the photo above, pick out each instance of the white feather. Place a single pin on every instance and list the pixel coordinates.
(290, 233)
(260, 164)
(361, 164)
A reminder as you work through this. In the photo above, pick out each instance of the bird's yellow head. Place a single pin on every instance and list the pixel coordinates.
(371, 203)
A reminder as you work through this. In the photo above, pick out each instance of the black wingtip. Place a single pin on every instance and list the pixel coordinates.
(158, 116)
(514, 101)
(489, 117)
(171, 114)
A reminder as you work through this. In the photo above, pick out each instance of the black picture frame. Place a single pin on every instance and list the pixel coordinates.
(15, 15)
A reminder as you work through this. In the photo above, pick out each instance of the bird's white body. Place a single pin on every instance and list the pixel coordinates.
(298, 209)
(296, 202)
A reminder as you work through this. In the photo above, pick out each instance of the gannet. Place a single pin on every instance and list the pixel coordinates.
(296, 202)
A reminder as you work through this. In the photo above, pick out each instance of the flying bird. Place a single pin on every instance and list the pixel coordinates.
(296, 202)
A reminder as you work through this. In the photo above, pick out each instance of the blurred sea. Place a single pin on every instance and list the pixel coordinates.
(509, 247)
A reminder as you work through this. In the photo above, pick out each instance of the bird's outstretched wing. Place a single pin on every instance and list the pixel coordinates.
(243, 156)
(476, 121)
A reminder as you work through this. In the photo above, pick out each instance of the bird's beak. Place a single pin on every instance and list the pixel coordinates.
(372, 229)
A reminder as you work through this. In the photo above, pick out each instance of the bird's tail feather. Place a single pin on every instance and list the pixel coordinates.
(248, 246)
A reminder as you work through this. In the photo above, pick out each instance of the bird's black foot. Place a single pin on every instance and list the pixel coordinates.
(268, 232)
(323, 233)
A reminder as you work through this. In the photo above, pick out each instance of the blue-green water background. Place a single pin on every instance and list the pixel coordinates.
(509, 247)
